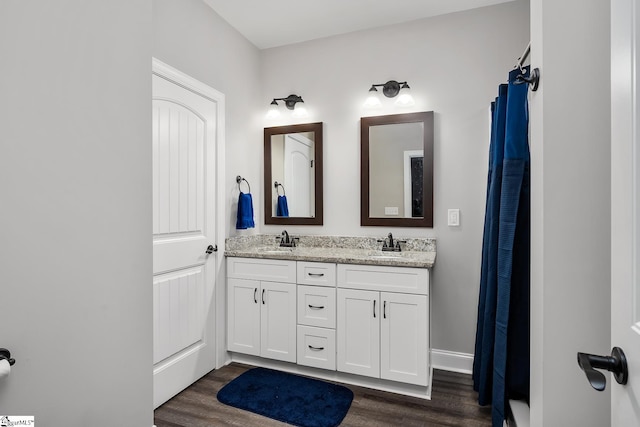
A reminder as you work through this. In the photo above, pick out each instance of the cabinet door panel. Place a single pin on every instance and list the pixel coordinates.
(243, 324)
(358, 331)
(278, 321)
(404, 338)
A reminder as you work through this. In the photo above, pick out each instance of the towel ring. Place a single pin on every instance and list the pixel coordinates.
(276, 184)
(239, 180)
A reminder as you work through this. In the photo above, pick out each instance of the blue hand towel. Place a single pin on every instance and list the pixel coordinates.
(245, 212)
(282, 209)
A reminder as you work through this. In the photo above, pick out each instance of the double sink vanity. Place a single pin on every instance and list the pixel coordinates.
(338, 308)
(349, 309)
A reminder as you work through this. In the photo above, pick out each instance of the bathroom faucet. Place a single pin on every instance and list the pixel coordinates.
(390, 245)
(286, 241)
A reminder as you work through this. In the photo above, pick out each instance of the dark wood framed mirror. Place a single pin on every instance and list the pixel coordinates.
(293, 174)
(396, 166)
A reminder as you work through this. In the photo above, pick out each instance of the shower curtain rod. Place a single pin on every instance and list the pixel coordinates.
(534, 78)
(524, 56)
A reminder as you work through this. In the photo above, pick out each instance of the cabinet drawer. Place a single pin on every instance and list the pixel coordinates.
(270, 270)
(383, 278)
(317, 347)
(316, 273)
(317, 306)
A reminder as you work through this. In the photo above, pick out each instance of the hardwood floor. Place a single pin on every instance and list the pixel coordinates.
(453, 403)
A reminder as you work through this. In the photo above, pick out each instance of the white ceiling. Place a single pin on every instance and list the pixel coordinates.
(271, 23)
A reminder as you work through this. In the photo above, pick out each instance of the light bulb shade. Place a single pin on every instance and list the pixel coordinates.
(404, 97)
(373, 100)
(274, 111)
(299, 110)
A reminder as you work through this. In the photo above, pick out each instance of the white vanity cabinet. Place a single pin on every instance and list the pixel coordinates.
(261, 318)
(345, 319)
(383, 322)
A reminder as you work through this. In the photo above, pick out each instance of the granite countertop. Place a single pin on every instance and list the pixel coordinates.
(336, 250)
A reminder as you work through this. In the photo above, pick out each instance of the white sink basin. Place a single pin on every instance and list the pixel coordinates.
(384, 256)
(276, 250)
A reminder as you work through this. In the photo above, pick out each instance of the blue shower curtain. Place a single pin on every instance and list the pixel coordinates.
(501, 362)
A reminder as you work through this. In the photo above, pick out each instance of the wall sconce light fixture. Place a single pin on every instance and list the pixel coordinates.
(292, 102)
(390, 89)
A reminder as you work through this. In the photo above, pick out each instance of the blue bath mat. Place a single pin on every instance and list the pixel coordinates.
(289, 398)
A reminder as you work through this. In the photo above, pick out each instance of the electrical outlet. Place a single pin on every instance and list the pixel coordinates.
(453, 218)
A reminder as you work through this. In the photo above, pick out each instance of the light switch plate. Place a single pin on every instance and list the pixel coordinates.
(453, 218)
(391, 210)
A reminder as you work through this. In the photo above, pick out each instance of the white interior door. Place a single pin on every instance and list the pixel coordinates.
(184, 183)
(298, 175)
(625, 212)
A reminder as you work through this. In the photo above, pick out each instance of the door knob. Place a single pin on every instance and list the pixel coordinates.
(616, 363)
(211, 249)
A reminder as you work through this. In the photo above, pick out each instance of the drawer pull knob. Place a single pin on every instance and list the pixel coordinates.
(316, 274)
(316, 307)
(316, 348)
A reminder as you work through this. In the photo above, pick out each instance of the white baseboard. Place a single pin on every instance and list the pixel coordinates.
(519, 413)
(452, 361)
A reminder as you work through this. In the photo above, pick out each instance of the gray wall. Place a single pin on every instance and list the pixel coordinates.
(453, 64)
(75, 217)
(571, 253)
